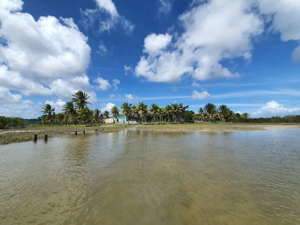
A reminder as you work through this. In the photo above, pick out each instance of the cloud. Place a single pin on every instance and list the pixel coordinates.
(195, 84)
(11, 5)
(296, 55)
(105, 17)
(213, 31)
(26, 109)
(115, 83)
(58, 105)
(154, 43)
(165, 6)
(103, 84)
(102, 50)
(66, 88)
(39, 57)
(6, 96)
(109, 6)
(107, 107)
(286, 20)
(200, 95)
(128, 69)
(14, 81)
(131, 98)
(273, 108)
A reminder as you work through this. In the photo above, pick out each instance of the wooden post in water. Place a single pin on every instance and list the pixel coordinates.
(76, 132)
(46, 137)
(84, 132)
(35, 138)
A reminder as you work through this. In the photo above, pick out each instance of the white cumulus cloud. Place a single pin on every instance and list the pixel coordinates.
(213, 31)
(106, 107)
(154, 43)
(103, 84)
(200, 95)
(109, 6)
(6, 96)
(273, 108)
(58, 105)
(286, 20)
(43, 56)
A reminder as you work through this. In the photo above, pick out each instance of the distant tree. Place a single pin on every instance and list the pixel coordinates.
(48, 110)
(106, 114)
(97, 113)
(115, 111)
(70, 112)
(80, 99)
(142, 110)
(210, 110)
(223, 111)
(126, 110)
(85, 115)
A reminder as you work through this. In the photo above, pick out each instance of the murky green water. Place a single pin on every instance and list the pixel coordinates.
(134, 177)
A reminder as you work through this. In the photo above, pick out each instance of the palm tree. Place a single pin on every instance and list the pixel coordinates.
(85, 115)
(114, 111)
(223, 110)
(143, 110)
(69, 111)
(96, 116)
(210, 110)
(106, 114)
(126, 109)
(59, 117)
(48, 110)
(154, 111)
(80, 99)
(245, 115)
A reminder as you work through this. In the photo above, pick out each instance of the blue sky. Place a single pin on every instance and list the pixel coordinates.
(241, 53)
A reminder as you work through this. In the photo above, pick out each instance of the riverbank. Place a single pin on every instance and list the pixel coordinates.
(26, 134)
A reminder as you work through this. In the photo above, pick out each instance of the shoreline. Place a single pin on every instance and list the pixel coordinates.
(8, 136)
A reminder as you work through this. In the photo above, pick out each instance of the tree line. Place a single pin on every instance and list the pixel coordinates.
(76, 111)
(12, 122)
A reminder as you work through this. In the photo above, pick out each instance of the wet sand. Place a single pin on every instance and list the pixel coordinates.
(26, 134)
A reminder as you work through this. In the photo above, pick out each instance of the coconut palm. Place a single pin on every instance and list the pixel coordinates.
(115, 111)
(245, 115)
(155, 111)
(80, 99)
(48, 110)
(96, 116)
(126, 109)
(143, 110)
(106, 114)
(223, 111)
(210, 110)
(85, 115)
(59, 118)
(69, 111)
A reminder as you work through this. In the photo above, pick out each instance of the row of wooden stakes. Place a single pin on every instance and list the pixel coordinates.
(35, 137)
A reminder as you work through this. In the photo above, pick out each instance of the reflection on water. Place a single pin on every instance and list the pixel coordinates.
(135, 177)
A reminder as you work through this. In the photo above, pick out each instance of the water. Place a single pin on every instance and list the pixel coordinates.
(134, 177)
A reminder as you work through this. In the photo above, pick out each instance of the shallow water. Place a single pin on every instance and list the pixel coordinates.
(136, 177)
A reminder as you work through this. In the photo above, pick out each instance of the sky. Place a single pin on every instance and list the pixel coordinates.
(241, 53)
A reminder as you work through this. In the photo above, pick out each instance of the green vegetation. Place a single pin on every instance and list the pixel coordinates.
(77, 112)
(8, 122)
(74, 112)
